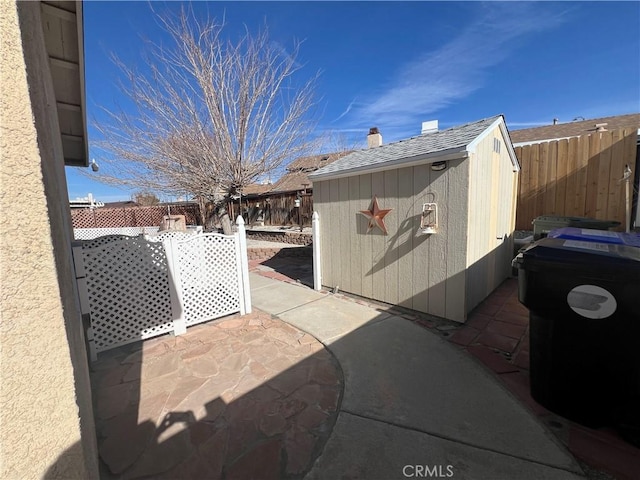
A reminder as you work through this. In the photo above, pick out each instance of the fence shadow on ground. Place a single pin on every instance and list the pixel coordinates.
(217, 402)
(296, 264)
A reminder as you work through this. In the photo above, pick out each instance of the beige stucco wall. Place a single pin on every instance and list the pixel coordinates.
(46, 424)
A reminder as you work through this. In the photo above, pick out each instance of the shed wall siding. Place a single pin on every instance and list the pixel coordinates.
(491, 218)
(424, 273)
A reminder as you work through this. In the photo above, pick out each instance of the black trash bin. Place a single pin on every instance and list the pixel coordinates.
(584, 302)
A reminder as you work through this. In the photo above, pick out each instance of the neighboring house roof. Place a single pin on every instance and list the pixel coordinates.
(292, 181)
(256, 189)
(296, 177)
(312, 163)
(574, 129)
(426, 148)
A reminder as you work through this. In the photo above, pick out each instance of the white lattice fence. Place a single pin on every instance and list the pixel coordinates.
(128, 291)
(207, 271)
(134, 288)
(99, 241)
(162, 236)
(91, 233)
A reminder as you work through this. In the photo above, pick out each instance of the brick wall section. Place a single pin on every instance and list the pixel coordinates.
(262, 254)
(293, 238)
(131, 216)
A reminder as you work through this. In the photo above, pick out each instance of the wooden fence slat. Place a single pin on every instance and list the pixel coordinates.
(522, 182)
(561, 190)
(604, 170)
(572, 165)
(630, 152)
(523, 154)
(575, 177)
(533, 180)
(592, 175)
(541, 187)
(550, 205)
(582, 164)
(615, 201)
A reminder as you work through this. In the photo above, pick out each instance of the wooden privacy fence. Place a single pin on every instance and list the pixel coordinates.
(105, 217)
(276, 209)
(578, 176)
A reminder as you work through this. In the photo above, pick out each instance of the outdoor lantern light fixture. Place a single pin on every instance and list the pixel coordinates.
(429, 219)
(438, 166)
(94, 165)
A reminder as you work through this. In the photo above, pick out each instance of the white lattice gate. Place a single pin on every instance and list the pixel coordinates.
(128, 291)
(136, 288)
(207, 273)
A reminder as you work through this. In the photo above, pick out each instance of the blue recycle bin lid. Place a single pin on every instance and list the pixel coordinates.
(593, 235)
(599, 236)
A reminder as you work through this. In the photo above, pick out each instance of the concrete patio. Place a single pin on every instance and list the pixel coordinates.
(321, 386)
(497, 336)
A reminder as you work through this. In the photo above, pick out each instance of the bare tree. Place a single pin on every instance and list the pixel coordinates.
(335, 141)
(145, 198)
(207, 116)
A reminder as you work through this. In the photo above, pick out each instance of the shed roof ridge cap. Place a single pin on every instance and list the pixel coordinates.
(438, 132)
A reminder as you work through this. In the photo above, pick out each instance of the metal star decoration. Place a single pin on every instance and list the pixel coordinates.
(376, 216)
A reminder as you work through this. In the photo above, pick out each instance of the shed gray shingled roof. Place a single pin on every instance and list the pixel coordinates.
(449, 140)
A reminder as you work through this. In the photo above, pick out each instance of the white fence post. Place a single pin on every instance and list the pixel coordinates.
(175, 288)
(83, 294)
(317, 274)
(244, 263)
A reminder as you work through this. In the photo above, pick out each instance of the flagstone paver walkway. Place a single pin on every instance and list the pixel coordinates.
(227, 398)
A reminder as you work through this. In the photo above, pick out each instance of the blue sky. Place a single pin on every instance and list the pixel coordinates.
(396, 64)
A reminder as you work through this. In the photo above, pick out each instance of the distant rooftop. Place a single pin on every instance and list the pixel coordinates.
(314, 162)
(256, 188)
(574, 129)
(296, 177)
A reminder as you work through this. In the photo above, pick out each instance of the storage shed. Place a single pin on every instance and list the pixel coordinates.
(451, 198)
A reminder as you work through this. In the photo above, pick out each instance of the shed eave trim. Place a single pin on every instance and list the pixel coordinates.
(395, 164)
(507, 140)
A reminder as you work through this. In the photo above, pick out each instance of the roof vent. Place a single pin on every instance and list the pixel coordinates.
(374, 139)
(429, 127)
(601, 127)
